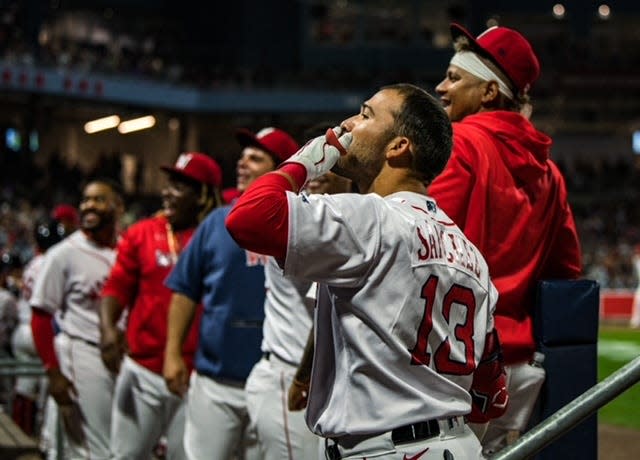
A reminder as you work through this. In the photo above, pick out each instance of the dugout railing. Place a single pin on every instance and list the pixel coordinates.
(561, 422)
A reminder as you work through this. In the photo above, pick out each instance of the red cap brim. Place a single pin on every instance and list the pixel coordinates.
(246, 138)
(457, 30)
(178, 172)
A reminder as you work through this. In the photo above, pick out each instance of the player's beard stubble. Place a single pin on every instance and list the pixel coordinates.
(363, 163)
(94, 221)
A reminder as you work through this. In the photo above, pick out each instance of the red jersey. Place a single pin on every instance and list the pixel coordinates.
(510, 199)
(146, 253)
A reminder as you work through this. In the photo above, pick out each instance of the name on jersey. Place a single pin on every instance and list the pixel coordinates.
(436, 243)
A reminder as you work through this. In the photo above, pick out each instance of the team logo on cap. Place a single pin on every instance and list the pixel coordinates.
(264, 132)
(183, 160)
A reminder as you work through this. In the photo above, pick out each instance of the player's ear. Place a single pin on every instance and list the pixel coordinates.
(397, 147)
(491, 92)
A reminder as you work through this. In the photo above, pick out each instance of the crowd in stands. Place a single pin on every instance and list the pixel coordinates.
(90, 41)
(603, 195)
(604, 198)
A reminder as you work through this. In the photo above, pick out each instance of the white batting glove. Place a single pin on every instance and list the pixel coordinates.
(320, 154)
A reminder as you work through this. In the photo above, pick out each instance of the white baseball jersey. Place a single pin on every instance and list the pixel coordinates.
(22, 339)
(288, 314)
(29, 275)
(404, 305)
(68, 286)
(8, 317)
(70, 282)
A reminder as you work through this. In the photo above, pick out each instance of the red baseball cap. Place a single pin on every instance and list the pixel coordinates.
(198, 167)
(65, 212)
(508, 49)
(274, 141)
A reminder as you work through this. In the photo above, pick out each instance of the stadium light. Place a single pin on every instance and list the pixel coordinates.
(101, 124)
(136, 124)
(559, 11)
(604, 12)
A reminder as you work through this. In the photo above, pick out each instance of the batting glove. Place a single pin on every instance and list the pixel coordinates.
(320, 154)
(489, 396)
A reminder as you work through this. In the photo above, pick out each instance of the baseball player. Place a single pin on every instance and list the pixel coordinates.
(635, 309)
(11, 267)
(230, 283)
(28, 389)
(69, 286)
(501, 188)
(282, 433)
(404, 308)
(144, 409)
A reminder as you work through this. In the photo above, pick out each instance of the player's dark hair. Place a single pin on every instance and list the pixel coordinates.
(114, 185)
(425, 123)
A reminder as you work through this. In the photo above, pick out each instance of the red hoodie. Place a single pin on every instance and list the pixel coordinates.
(510, 199)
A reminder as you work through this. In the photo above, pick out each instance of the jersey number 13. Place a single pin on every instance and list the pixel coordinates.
(463, 330)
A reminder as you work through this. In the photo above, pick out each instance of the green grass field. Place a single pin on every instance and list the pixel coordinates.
(616, 347)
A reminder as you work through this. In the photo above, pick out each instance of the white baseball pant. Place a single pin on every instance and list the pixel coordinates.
(217, 423)
(634, 321)
(282, 434)
(24, 350)
(81, 363)
(143, 410)
(454, 441)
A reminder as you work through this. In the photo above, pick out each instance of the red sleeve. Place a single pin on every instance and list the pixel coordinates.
(259, 220)
(124, 275)
(42, 331)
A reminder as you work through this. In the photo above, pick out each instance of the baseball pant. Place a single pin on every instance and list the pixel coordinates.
(24, 350)
(29, 392)
(635, 309)
(217, 423)
(282, 434)
(143, 410)
(455, 441)
(523, 384)
(51, 441)
(81, 363)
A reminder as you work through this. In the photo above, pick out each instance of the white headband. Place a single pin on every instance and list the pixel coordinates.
(470, 62)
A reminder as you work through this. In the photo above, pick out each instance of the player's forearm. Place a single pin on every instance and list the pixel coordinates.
(181, 313)
(42, 331)
(110, 312)
(303, 374)
(260, 218)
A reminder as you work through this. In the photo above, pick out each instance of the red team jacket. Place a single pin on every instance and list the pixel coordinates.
(144, 260)
(510, 199)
